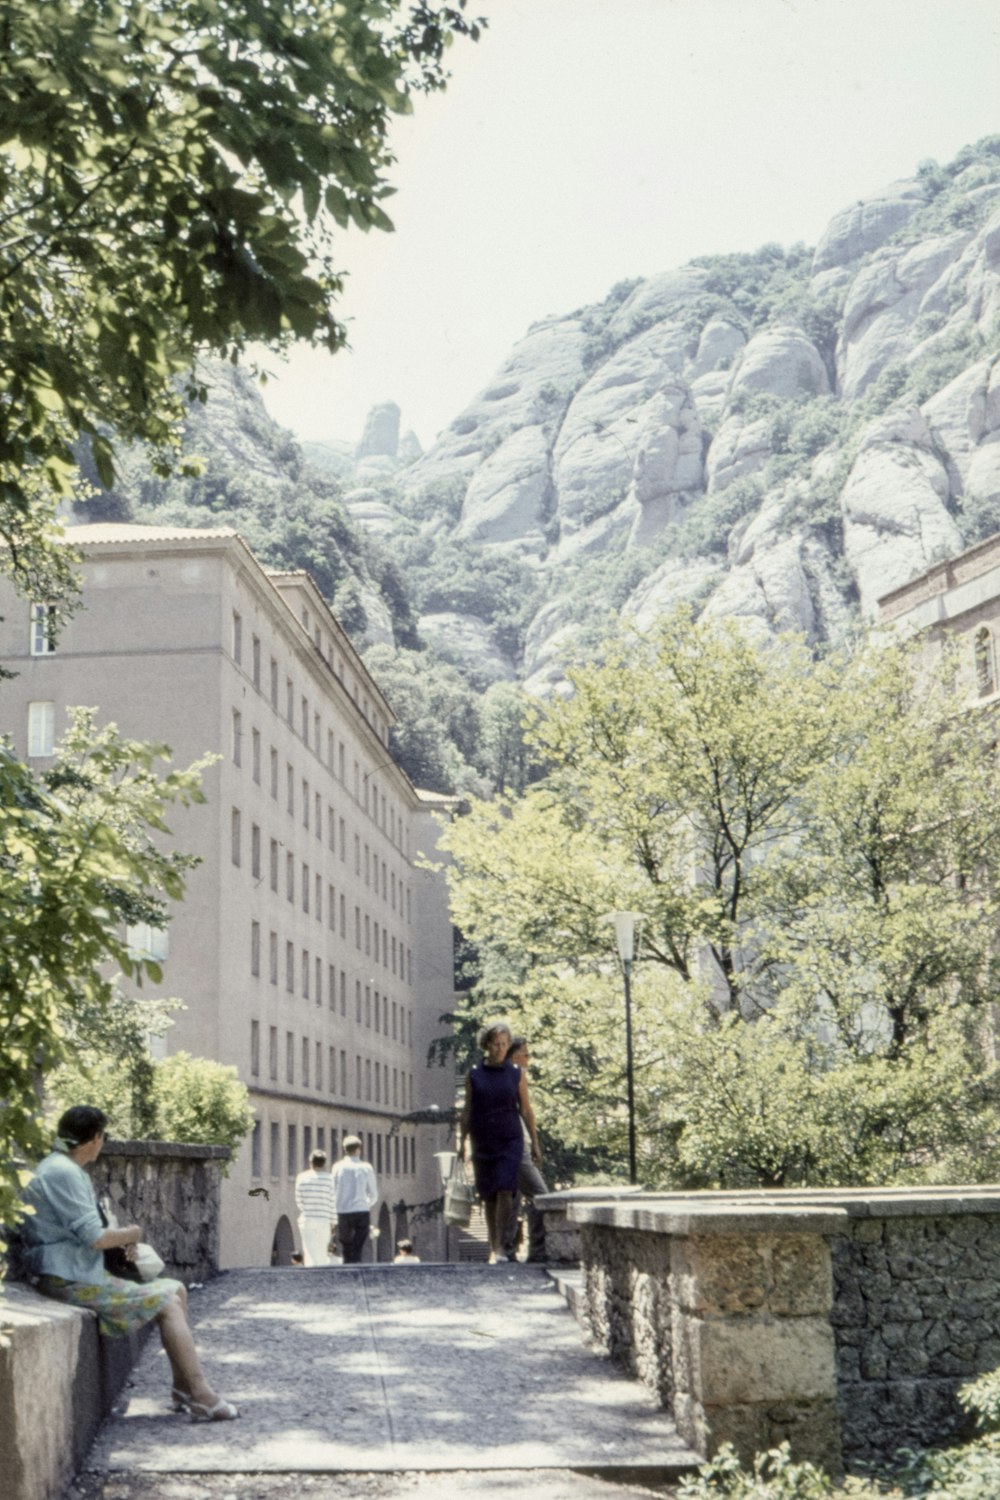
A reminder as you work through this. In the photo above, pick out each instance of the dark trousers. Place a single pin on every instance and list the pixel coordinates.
(352, 1232)
(529, 1182)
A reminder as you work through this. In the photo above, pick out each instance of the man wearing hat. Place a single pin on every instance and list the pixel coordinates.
(356, 1193)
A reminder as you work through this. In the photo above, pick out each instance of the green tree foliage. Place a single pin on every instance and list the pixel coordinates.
(436, 738)
(201, 1101)
(814, 849)
(171, 177)
(81, 856)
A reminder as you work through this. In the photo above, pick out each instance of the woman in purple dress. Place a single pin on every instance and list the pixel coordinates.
(496, 1101)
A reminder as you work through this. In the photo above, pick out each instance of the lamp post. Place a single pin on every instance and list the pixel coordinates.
(625, 923)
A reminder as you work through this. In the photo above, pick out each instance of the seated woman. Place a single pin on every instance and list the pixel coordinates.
(64, 1240)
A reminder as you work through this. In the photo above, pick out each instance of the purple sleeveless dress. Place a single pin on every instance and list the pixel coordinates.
(495, 1128)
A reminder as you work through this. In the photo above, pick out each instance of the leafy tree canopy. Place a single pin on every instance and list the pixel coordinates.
(815, 852)
(171, 176)
(81, 857)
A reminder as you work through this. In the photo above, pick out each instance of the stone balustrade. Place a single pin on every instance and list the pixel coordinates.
(842, 1321)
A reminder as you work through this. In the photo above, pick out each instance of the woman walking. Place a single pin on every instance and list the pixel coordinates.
(496, 1101)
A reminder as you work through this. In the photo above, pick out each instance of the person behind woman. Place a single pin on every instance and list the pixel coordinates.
(64, 1242)
(496, 1101)
(530, 1181)
(405, 1254)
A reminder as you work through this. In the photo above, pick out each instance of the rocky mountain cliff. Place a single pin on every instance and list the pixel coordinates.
(783, 437)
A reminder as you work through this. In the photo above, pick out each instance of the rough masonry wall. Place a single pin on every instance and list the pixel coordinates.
(172, 1192)
(916, 1313)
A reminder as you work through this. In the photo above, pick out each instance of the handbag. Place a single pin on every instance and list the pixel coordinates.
(144, 1265)
(459, 1196)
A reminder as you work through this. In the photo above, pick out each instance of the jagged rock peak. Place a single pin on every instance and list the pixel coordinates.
(380, 438)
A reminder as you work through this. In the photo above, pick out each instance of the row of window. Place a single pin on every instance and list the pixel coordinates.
(309, 726)
(311, 807)
(310, 967)
(375, 1082)
(392, 1154)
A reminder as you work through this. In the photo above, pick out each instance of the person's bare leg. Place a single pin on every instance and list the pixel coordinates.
(490, 1210)
(179, 1345)
(503, 1207)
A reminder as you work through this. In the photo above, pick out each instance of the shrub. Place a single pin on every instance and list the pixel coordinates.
(200, 1101)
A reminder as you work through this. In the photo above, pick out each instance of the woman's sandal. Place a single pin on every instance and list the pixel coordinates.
(180, 1400)
(222, 1411)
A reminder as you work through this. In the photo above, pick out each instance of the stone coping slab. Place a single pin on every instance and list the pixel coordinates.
(818, 1211)
(185, 1149)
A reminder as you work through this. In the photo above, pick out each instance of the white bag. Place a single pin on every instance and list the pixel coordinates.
(147, 1262)
(459, 1196)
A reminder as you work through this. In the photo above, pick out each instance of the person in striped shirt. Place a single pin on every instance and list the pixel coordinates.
(316, 1203)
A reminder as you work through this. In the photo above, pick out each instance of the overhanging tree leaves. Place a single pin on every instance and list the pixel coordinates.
(170, 178)
(80, 858)
(815, 849)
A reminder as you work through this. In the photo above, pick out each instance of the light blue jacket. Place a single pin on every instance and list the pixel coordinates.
(59, 1234)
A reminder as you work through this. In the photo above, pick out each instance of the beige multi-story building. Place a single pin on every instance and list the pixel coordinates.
(312, 950)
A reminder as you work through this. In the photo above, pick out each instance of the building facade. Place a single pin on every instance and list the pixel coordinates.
(956, 601)
(312, 951)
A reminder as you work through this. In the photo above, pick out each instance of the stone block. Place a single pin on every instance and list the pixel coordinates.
(725, 1274)
(801, 1276)
(765, 1360)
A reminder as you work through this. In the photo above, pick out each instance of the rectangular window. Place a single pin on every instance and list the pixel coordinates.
(237, 638)
(341, 756)
(307, 1140)
(378, 1154)
(275, 1149)
(319, 980)
(255, 1148)
(305, 803)
(255, 754)
(305, 1062)
(331, 908)
(357, 927)
(343, 1071)
(273, 865)
(321, 1138)
(289, 1057)
(235, 836)
(274, 773)
(43, 629)
(357, 1001)
(290, 968)
(274, 684)
(316, 733)
(329, 751)
(289, 702)
(290, 877)
(378, 1084)
(305, 973)
(318, 1075)
(368, 1079)
(331, 992)
(395, 1153)
(357, 855)
(237, 738)
(272, 1053)
(343, 993)
(293, 1151)
(272, 957)
(41, 728)
(305, 721)
(255, 851)
(357, 1077)
(343, 839)
(331, 1069)
(319, 898)
(318, 819)
(255, 1048)
(331, 830)
(290, 791)
(255, 657)
(343, 915)
(305, 886)
(255, 948)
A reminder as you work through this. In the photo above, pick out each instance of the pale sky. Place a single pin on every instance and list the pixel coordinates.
(581, 142)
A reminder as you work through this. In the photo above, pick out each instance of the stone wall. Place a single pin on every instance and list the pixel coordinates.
(172, 1191)
(844, 1322)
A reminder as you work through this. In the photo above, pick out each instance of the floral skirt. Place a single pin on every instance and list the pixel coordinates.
(121, 1306)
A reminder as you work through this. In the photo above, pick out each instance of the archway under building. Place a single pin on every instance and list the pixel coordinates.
(283, 1243)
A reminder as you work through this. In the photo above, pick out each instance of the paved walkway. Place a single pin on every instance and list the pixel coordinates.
(385, 1371)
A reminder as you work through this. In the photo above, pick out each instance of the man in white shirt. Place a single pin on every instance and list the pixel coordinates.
(355, 1195)
(315, 1200)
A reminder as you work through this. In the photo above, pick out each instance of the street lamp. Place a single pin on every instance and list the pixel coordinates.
(625, 923)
